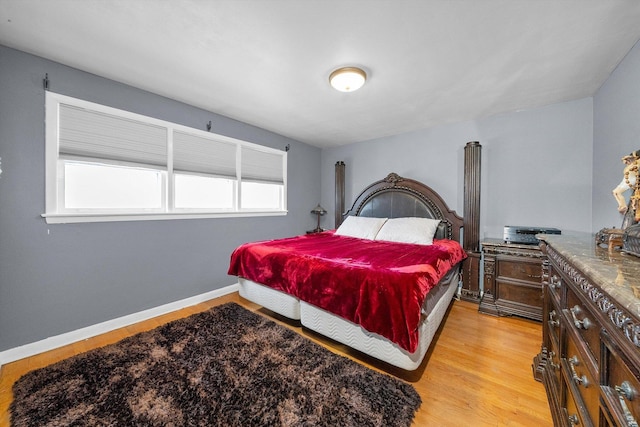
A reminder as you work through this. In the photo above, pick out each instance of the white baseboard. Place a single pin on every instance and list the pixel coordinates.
(51, 343)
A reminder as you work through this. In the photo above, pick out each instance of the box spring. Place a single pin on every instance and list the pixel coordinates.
(351, 334)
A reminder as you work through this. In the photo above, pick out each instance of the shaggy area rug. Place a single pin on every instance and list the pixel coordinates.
(223, 367)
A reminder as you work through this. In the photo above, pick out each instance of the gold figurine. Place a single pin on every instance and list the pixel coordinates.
(629, 181)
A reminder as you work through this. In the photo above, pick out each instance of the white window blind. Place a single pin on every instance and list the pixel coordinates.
(193, 153)
(262, 166)
(106, 164)
(100, 135)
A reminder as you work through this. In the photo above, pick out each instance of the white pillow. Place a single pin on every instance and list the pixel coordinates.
(409, 230)
(360, 226)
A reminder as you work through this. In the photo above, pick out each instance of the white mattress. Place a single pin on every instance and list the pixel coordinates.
(354, 335)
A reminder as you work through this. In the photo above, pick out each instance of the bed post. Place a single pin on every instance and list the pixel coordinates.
(339, 205)
(471, 223)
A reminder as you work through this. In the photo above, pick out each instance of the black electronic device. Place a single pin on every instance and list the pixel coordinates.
(526, 235)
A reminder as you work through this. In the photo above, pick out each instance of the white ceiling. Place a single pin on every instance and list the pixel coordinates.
(267, 62)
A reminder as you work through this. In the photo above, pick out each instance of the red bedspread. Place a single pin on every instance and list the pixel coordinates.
(377, 284)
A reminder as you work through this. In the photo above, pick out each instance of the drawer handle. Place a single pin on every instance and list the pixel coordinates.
(626, 391)
(573, 362)
(555, 282)
(574, 420)
(553, 366)
(552, 319)
(531, 276)
(580, 324)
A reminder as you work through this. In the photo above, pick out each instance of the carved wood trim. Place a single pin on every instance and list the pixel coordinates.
(517, 252)
(393, 178)
(489, 267)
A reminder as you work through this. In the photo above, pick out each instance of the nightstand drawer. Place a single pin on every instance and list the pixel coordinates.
(520, 270)
(527, 294)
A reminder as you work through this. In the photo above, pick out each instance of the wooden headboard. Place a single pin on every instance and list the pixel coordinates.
(397, 197)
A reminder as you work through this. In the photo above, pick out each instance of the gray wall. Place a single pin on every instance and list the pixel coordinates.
(58, 278)
(616, 133)
(536, 166)
(552, 166)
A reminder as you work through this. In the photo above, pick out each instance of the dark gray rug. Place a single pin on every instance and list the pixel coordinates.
(223, 367)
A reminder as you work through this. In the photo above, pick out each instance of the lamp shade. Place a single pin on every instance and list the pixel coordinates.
(347, 79)
(318, 210)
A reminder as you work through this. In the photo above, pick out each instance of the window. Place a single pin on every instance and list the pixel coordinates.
(101, 186)
(258, 195)
(105, 164)
(204, 192)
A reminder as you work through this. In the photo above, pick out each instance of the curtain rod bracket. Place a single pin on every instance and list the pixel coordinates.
(287, 147)
(209, 126)
(45, 81)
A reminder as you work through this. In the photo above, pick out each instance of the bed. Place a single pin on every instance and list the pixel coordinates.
(344, 283)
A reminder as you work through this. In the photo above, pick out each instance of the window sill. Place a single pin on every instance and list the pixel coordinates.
(69, 218)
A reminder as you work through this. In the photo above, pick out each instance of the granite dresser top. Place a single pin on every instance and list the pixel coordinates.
(616, 273)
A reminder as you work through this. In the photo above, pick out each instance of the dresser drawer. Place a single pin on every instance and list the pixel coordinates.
(577, 373)
(620, 386)
(520, 270)
(553, 322)
(574, 410)
(582, 321)
(556, 288)
(553, 365)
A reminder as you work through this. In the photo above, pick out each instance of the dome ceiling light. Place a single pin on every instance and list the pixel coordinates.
(347, 79)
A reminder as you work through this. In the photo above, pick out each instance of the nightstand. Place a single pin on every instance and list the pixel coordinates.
(512, 279)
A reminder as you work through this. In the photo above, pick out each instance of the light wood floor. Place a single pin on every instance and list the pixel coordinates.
(477, 372)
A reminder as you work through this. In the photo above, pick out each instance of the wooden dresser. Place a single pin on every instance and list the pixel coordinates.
(512, 279)
(590, 356)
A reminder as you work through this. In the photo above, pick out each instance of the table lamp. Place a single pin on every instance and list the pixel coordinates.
(319, 211)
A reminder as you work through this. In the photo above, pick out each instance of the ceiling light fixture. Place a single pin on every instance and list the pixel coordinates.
(347, 79)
